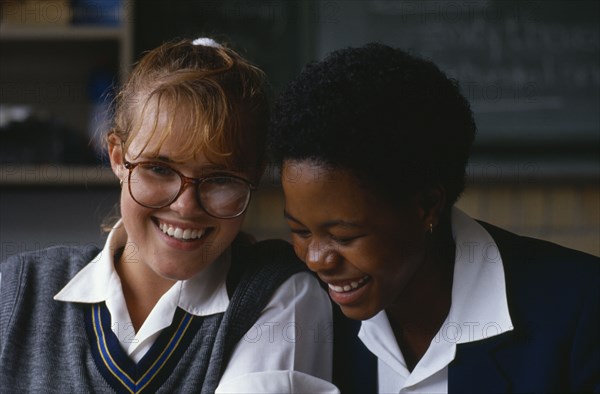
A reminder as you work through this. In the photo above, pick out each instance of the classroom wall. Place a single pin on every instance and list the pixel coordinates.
(33, 218)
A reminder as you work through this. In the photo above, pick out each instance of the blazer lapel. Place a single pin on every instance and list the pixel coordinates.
(476, 368)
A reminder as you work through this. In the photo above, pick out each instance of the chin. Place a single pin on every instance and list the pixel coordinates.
(173, 276)
(358, 313)
(173, 273)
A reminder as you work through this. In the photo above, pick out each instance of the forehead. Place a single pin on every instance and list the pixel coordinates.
(308, 172)
(322, 198)
(157, 132)
(324, 193)
(173, 130)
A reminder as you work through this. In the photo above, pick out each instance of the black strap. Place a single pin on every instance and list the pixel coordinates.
(242, 258)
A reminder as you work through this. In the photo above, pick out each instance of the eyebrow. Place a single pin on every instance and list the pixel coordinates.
(148, 157)
(327, 224)
(167, 159)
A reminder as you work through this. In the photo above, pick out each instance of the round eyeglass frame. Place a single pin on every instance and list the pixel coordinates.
(185, 180)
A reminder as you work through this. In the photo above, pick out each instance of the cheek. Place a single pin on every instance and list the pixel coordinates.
(299, 245)
(128, 206)
(136, 220)
(394, 270)
(131, 210)
(227, 231)
(381, 260)
(402, 242)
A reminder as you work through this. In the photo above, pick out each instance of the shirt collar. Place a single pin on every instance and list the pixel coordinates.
(479, 302)
(479, 306)
(98, 281)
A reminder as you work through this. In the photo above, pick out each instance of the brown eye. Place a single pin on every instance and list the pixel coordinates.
(156, 170)
(344, 240)
(301, 233)
(160, 170)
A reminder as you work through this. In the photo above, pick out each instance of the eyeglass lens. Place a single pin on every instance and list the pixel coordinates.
(155, 185)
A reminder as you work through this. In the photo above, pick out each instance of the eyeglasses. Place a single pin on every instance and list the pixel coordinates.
(157, 185)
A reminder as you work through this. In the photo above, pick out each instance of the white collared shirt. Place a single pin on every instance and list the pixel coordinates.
(289, 343)
(479, 310)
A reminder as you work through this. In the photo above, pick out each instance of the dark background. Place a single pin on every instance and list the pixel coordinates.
(531, 70)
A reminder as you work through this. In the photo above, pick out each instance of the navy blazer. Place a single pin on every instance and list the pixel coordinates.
(554, 302)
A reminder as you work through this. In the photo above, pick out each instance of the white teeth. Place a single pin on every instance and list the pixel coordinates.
(179, 233)
(351, 286)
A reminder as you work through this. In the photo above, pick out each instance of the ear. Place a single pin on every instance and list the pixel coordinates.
(432, 203)
(115, 154)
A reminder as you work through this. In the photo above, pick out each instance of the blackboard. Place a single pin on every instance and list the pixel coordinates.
(531, 69)
(270, 33)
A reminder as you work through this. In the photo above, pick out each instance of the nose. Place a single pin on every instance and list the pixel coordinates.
(321, 256)
(187, 202)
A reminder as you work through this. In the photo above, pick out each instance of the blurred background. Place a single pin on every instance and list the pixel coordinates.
(531, 70)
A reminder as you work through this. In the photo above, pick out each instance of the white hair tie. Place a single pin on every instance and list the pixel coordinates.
(207, 42)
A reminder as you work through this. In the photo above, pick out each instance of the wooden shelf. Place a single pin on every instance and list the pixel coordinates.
(50, 175)
(48, 67)
(67, 32)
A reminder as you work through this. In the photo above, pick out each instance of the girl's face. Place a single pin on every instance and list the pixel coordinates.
(364, 249)
(149, 250)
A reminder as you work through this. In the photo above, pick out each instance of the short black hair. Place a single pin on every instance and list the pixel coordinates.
(391, 118)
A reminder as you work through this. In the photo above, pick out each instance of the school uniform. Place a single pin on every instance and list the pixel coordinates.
(524, 318)
(243, 321)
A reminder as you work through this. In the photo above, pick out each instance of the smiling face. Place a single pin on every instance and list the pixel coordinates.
(366, 250)
(177, 241)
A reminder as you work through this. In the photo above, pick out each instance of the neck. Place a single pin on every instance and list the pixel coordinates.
(423, 307)
(142, 288)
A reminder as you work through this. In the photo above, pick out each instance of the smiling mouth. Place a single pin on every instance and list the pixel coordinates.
(350, 286)
(188, 234)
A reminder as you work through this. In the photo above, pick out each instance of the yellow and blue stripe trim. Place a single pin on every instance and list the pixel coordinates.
(154, 368)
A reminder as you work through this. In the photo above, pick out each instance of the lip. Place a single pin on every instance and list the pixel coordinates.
(350, 296)
(186, 245)
(175, 223)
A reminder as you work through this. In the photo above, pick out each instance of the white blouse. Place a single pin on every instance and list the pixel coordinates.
(289, 347)
(479, 310)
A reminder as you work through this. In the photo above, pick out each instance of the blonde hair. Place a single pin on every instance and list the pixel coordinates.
(218, 97)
